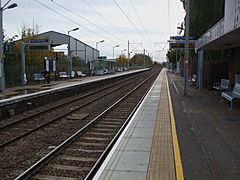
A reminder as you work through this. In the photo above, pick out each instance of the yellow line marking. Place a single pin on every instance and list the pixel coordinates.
(177, 156)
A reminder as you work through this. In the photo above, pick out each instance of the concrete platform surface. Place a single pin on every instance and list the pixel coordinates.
(145, 149)
(208, 132)
(13, 93)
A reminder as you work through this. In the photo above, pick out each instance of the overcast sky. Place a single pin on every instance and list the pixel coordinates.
(149, 22)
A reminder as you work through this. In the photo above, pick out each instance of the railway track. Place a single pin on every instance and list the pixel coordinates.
(81, 154)
(32, 147)
(22, 127)
(8, 122)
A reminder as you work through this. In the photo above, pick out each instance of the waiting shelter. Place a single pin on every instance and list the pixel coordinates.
(222, 36)
(103, 65)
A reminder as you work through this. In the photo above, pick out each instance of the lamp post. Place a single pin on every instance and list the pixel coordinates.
(2, 76)
(70, 54)
(114, 48)
(97, 43)
(123, 51)
(187, 5)
(186, 42)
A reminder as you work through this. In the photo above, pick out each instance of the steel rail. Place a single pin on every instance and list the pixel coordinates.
(62, 104)
(35, 167)
(59, 117)
(99, 162)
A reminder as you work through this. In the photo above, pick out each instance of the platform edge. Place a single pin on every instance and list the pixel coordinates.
(177, 155)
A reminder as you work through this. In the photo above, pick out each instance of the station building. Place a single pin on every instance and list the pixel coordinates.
(77, 48)
(222, 36)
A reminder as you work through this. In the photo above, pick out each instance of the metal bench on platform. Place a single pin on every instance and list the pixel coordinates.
(38, 77)
(224, 85)
(194, 78)
(230, 96)
(63, 75)
(80, 74)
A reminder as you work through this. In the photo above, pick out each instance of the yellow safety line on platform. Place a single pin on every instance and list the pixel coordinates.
(177, 156)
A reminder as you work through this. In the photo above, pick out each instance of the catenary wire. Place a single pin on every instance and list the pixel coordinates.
(69, 19)
(91, 7)
(138, 16)
(85, 19)
(140, 33)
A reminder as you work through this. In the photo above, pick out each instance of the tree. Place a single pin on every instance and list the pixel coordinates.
(34, 59)
(122, 61)
(171, 54)
(138, 60)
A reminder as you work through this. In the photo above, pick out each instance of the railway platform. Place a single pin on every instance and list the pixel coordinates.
(174, 137)
(148, 148)
(15, 93)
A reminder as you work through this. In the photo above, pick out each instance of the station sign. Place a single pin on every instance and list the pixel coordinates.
(102, 57)
(179, 38)
(180, 44)
(38, 45)
(38, 41)
(39, 48)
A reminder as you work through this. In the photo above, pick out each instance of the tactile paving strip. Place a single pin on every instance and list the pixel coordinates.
(161, 164)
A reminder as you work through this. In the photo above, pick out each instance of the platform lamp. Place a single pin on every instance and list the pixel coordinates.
(98, 43)
(114, 48)
(2, 76)
(69, 53)
(123, 51)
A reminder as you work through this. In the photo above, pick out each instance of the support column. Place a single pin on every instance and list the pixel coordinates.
(200, 69)
(2, 76)
(23, 73)
(85, 55)
(128, 55)
(176, 59)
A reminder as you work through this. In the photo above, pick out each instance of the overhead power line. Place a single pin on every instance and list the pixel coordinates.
(127, 38)
(85, 19)
(140, 33)
(169, 19)
(139, 18)
(69, 19)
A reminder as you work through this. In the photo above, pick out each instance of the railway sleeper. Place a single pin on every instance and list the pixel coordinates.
(78, 116)
(48, 177)
(90, 144)
(66, 167)
(73, 158)
(85, 150)
(104, 129)
(112, 121)
(101, 134)
(59, 174)
(95, 138)
(118, 117)
(107, 126)
(86, 153)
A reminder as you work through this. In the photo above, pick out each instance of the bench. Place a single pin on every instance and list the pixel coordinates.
(38, 77)
(230, 96)
(63, 75)
(80, 74)
(194, 78)
(224, 85)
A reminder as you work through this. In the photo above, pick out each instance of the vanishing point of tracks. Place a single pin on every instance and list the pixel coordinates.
(39, 133)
